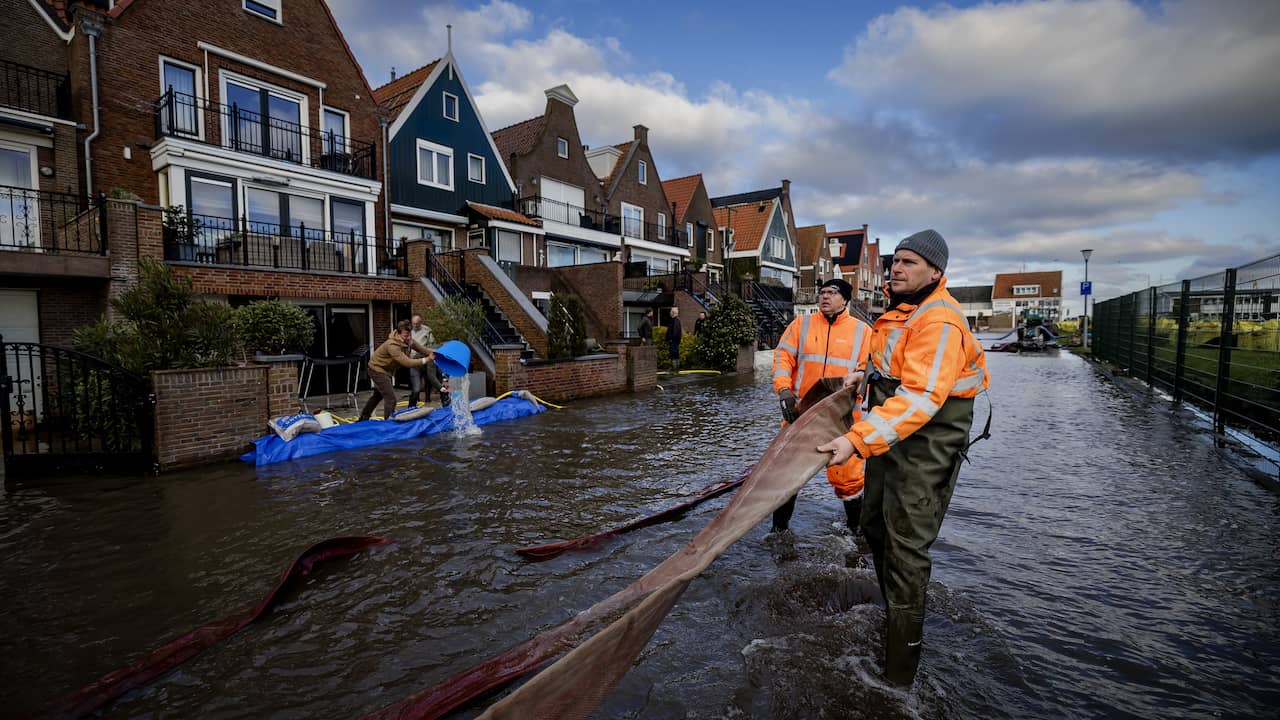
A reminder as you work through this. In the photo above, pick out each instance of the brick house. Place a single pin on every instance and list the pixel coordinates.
(54, 270)
(859, 263)
(692, 210)
(633, 192)
(1035, 291)
(761, 259)
(252, 123)
(813, 252)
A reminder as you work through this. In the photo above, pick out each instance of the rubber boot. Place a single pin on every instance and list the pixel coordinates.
(853, 514)
(782, 516)
(903, 642)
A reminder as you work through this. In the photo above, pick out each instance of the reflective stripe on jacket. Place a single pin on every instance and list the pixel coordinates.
(812, 348)
(928, 348)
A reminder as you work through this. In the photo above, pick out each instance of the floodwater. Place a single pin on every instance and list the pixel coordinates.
(1101, 558)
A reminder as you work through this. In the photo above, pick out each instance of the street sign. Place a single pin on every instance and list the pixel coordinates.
(1086, 288)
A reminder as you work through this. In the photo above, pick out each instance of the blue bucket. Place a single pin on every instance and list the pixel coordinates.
(453, 358)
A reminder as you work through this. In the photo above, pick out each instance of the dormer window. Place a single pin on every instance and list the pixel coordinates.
(451, 106)
(644, 173)
(1026, 289)
(269, 9)
(562, 147)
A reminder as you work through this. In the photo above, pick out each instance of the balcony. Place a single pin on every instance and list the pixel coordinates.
(209, 240)
(179, 115)
(36, 221)
(556, 211)
(34, 90)
(652, 232)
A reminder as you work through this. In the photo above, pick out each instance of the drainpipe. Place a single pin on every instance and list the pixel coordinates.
(92, 30)
(385, 122)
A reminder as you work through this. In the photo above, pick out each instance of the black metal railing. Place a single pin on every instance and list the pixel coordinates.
(698, 285)
(242, 242)
(653, 232)
(61, 409)
(49, 222)
(230, 126)
(34, 90)
(1212, 341)
(449, 284)
(556, 211)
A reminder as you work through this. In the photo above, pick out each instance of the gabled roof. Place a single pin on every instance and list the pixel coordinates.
(754, 196)
(749, 222)
(618, 166)
(680, 192)
(520, 138)
(1050, 283)
(496, 213)
(809, 244)
(971, 293)
(396, 94)
(850, 248)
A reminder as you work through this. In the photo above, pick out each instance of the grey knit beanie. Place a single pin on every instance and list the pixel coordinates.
(929, 245)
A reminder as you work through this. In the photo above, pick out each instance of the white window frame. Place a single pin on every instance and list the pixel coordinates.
(444, 106)
(640, 210)
(688, 233)
(346, 127)
(33, 200)
(662, 227)
(499, 234)
(711, 239)
(304, 111)
(440, 149)
(562, 143)
(199, 83)
(270, 4)
(644, 172)
(473, 156)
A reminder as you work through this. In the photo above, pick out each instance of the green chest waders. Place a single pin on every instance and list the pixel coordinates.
(907, 493)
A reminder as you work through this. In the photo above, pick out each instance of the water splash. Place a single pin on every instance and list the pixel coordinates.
(460, 403)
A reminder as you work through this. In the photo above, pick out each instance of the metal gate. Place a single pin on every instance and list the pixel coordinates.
(62, 410)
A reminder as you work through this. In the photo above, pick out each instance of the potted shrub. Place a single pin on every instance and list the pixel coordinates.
(275, 330)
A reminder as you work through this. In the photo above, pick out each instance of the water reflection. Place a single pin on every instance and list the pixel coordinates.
(1100, 556)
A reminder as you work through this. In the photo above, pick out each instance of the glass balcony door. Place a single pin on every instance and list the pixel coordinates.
(19, 207)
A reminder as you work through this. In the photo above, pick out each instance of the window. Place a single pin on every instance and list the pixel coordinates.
(180, 112)
(711, 239)
(562, 147)
(632, 221)
(559, 255)
(451, 106)
(475, 168)
(269, 9)
(333, 139)
(662, 227)
(212, 204)
(19, 209)
(269, 212)
(403, 231)
(688, 233)
(435, 165)
(1026, 289)
(644, 173)
(263, 119)
(588, 255)
(509, 246)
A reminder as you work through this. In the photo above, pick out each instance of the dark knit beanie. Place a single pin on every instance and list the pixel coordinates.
(841, 286)
(929, 245)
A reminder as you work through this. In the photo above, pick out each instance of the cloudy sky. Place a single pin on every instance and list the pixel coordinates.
(1022, 131)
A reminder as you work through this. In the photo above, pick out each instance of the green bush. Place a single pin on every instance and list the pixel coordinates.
(728, 325)
(272, 327)
(566, 328)
(689, 344)
(162, 326)
(455, 319)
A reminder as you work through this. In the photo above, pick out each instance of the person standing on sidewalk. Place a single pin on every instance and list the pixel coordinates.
(674, 334)
(382, 364)
(926, 368)
(830, 343)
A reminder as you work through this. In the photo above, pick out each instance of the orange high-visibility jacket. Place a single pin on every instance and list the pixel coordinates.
(929, 349)
(812, 348)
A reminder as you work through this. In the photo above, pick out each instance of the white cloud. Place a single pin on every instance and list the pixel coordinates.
(1185, 79)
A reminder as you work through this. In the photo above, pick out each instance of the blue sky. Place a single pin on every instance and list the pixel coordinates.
(1022, 131)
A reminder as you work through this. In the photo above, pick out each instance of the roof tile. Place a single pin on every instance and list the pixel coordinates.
(680, 192)
(1050, 283)
(520, 138)
(810, 243)
(749, 222)
(496, 213)
(396, 94)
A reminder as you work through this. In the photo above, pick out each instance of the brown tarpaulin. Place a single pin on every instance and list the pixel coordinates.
(577, 683)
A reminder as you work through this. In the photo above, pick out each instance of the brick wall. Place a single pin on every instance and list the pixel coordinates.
(746, 364)
(63, 310)
(123, 246)
(210, 414)
(476, 272)
(563, 380)
(599, 286)
(650, 195)
(642, 364)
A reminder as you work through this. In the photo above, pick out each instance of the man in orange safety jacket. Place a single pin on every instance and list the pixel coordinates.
(829, 343)
(926, 368)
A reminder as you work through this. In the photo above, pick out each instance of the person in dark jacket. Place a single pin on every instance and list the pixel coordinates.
(646, 328)
(697, 324)
(674, 333)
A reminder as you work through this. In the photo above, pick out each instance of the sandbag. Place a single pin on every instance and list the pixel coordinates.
(290, 426)
(411, 413)
(482, 403)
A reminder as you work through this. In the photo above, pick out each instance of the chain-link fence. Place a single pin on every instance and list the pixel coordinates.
(1213, 341)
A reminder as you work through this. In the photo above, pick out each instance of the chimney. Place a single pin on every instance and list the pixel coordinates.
(393, 73)
(786, 188)
(642, 134)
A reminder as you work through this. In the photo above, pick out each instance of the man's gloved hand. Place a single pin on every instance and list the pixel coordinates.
(788, 403)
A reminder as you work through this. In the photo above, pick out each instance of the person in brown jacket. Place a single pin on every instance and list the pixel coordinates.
(383, 362)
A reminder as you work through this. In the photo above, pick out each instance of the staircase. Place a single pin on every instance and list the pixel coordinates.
(767, 303)
(498, 329)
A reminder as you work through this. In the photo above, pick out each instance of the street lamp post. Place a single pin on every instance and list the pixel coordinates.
(1084, 326)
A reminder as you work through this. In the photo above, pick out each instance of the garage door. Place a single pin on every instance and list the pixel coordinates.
(19, 316)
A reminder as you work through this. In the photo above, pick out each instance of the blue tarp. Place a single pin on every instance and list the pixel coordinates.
(270, 449)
